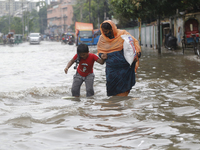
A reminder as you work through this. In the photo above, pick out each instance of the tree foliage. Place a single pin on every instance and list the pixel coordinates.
(16, 24)
(4, 24)
(147, 9)
(190, 6)
(43, 18)
(91, 11)
(34, 25)
(35, 22)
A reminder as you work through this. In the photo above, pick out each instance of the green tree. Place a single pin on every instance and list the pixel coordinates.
(34, 25)
(147, 9)
(16, 25)
(190, 6)
(91, 11)
(42, 16)
(4, 24)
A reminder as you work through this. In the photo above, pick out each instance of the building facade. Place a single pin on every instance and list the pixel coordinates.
(59, 17)
(15, 8)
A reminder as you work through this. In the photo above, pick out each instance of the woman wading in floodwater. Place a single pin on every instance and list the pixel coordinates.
(120, 76)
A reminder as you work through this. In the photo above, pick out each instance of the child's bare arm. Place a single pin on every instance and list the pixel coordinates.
(102, 59)
(69, 65)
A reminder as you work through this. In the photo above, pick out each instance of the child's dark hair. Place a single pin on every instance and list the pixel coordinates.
(82, 48)
(106, 26)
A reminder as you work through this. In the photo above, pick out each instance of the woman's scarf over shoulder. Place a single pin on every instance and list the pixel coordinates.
(106, 45)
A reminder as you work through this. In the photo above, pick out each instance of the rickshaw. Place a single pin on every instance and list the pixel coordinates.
(11, 39)
(191, 35)
(18, 38)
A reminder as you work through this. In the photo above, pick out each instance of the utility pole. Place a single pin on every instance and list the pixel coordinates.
(41, 25)
(9, 15)
(28, 26)
(139, 21)
(63, 24)
(98, 15)
(158, 25)
(26, 18)
(90, 10)
(25, 21)
(81, 10)
(22, 21)
(105, 10)
(81, 15)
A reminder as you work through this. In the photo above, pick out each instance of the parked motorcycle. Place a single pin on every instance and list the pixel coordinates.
(65, 40)
(170, 41)
(71, 40)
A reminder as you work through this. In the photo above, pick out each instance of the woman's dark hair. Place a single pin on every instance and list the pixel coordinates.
(82, 48)
(106, 26)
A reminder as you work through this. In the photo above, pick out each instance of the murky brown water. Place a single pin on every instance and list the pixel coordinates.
(161, 111)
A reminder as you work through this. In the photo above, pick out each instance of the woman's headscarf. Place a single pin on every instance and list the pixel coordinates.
(107, 45)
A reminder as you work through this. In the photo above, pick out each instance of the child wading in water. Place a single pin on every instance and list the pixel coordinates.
(85, 70)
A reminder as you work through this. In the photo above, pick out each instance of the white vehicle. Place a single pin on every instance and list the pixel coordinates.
(34, 38)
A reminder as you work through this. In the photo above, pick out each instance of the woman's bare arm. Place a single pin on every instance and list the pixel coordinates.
(102, 59)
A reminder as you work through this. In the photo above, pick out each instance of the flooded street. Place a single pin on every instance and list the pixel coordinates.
(161, 111)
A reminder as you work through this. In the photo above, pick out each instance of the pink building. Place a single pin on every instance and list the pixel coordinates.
(59, 16)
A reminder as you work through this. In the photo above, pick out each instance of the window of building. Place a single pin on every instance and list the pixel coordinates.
(65, 9)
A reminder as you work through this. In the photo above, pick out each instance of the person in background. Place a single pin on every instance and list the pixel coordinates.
(120, 76)
(4, 39)
(84, 71)
(8, 38)
(12, 40)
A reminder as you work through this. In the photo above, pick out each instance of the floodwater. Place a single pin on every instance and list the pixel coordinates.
(160, 113)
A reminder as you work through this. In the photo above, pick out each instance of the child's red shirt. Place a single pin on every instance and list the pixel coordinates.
(85, 66)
